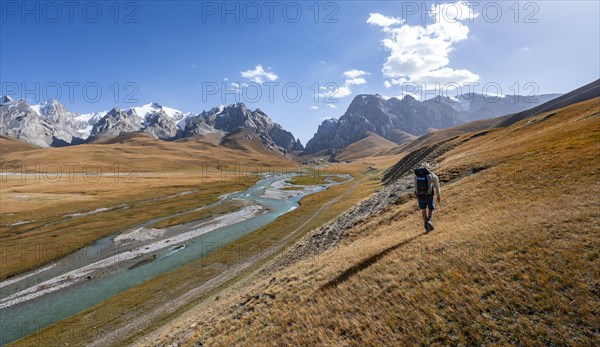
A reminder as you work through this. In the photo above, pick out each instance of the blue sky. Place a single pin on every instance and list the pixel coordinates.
(177, 53)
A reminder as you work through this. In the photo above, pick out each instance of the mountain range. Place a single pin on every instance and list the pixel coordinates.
(50, 124)
(401, 120)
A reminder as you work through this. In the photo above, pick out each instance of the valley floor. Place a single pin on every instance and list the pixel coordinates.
(141, 309)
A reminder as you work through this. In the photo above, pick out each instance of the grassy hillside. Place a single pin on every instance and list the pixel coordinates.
(514, 259)
(143, 152)
(444, 134)
(9, 145)
(249, 141)
(369, 146)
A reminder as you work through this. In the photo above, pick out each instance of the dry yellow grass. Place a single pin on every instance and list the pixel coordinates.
(139, 153)
(514, 259)
(9, 144)
(371, 145)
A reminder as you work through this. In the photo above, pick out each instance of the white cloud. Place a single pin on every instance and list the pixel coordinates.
(352, 79)
(387, 84)
(314, 107)
(420, 54)
(342, 92)
(383, 21)
(356, 81)
(332, 105)
(259, 75)
(354, 73)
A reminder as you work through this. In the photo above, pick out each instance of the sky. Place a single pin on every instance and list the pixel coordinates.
(300, 62)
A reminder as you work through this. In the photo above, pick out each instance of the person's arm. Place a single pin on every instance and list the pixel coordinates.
(415, 184)
(436, 184)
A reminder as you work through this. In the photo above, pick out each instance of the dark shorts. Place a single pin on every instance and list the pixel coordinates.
(426, 201)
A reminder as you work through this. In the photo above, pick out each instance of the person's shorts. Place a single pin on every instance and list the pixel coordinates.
(426, 201)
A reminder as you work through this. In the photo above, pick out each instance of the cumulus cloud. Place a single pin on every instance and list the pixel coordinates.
(354, 73)
(383, 21)
(342, 92)
(259, 75)
(420, 54)
(356, 81)
(353, 78)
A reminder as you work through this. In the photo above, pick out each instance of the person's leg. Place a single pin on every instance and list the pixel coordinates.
(431, 207)
(424, 213)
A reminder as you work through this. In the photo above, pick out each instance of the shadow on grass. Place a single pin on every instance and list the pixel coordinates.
(344, 276)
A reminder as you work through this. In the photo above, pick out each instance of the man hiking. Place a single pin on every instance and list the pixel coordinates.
(427, 185)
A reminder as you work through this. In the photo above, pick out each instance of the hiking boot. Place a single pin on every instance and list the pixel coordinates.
(426, 225)
(429, 225)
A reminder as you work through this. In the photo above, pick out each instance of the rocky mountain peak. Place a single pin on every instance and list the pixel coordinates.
(53, 111)
(6, 99)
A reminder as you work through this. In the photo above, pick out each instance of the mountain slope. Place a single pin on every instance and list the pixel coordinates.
(250, 141)
(371, 145)
(140, 151)
(373, 113)
(444, 134)
(473, 106)
(589, 91)
(236, 117)
(514, 257)
(10, 144)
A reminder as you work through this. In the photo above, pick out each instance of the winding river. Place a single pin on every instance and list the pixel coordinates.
(112, 265)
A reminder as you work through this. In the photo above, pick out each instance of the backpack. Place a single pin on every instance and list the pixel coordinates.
(424, 182)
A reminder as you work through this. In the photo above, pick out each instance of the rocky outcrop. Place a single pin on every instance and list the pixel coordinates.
(161, 126)
(196, 125)
(117, 122)
(19, 120)
(284, 138)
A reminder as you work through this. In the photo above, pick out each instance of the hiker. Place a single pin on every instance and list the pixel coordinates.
(427, 185)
